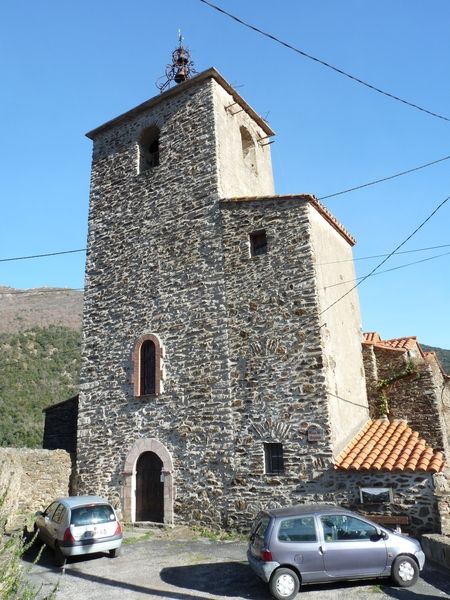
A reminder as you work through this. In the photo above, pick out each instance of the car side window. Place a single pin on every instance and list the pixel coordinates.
(48, 512)
(58, 514)
(299, 529)
(337, 528)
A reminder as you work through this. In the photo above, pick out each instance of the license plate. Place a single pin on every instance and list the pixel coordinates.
(96, 532)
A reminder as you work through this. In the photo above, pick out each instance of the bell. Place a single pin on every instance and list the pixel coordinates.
(180, 75)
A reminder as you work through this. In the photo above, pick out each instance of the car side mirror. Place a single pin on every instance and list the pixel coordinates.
(382, 535)
(38, 513)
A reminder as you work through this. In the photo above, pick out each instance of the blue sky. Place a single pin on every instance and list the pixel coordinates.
(70, 66)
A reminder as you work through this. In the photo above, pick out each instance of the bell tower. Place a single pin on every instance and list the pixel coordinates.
(155, 287)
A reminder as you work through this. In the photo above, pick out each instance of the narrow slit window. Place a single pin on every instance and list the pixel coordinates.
(273, 456)
(258, 243)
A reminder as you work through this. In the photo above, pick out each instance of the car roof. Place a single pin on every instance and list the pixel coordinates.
(305, 509)
(74, 501)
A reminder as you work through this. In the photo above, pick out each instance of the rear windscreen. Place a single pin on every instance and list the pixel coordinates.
(261, 528)
(90, 515)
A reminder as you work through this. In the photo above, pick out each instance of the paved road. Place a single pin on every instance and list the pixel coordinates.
(199, 570)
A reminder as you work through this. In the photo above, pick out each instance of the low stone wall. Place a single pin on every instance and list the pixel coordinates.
(437, 549)
(31, 479)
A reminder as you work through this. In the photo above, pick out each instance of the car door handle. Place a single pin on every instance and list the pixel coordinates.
(321, 550)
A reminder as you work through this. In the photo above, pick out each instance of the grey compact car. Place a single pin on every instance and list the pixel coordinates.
(79, 525)
(322, 543)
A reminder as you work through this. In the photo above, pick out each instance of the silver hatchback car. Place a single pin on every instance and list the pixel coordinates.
(79, 525)
(321, 543)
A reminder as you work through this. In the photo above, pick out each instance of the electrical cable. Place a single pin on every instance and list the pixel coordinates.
(335, 262)
(325, 64)
(42, 255)
(364, 185)
(440, 205)
(416, 262)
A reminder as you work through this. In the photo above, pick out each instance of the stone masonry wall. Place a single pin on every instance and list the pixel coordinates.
(277, 377)
(154, 265)
(32, 479)
(413, 496)
(412, 396)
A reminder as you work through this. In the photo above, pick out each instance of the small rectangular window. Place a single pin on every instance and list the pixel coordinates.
(375, 495)
(273, 454)
(258, 243)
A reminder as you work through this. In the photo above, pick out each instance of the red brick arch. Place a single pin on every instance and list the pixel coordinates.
(136, 364)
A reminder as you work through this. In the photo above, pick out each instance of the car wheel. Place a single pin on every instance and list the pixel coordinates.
(405, 571)
(114, 553)
(60, 559)
(284, 584)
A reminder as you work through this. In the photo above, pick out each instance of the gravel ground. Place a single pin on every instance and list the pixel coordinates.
(176, 566)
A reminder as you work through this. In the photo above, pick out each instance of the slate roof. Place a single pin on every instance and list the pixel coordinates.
(382, 445)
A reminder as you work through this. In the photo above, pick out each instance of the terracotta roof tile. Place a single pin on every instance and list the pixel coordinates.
(403, 344)
(387, 446)
(371, 337)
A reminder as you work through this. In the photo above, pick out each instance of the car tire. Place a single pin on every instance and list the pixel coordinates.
(60, 559)
(405, 571)
(114, 553)
(284, 584)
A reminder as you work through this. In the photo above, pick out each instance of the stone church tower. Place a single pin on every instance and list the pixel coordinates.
(214, 380)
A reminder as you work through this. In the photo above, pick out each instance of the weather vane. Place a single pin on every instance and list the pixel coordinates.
(180, 69)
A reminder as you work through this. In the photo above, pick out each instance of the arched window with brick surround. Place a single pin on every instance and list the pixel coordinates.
(147, 366)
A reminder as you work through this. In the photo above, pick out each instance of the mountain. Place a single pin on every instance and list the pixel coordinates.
(38, 367)
(39, 358)
(39, 307)
(443, 356)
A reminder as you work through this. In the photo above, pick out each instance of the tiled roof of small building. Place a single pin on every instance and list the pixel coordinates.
(389, 446)
(403, 343)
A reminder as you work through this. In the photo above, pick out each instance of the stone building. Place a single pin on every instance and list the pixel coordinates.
(221, 370)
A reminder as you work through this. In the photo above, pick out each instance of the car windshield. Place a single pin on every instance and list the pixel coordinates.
(92, 514)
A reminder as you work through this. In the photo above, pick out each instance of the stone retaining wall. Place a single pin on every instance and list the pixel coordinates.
(31, 479)
(437, 549)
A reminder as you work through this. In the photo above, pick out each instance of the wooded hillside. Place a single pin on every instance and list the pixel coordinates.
(38, 367)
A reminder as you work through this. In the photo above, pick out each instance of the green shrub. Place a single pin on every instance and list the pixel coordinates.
(38, 368)
(13, 581)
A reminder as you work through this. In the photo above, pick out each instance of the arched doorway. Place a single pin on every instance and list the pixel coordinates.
(146, 455)
(149, 488)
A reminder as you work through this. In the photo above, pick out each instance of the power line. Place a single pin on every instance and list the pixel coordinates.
(60, 290)
(346, 400)
(322, 198)
(322, 62)
(335, 262)
(42, 255)
(440, 205)
(416, 262)
(359, 187)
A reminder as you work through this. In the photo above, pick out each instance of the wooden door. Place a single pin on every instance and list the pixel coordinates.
(149, 488)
